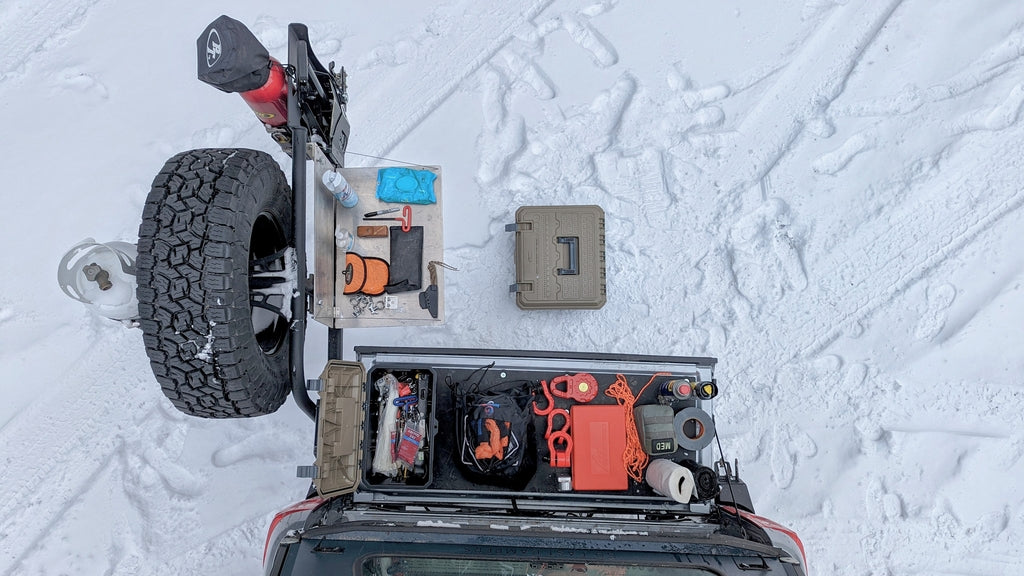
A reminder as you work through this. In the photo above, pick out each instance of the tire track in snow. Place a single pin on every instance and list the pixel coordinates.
(225, 553)
(400, 103)
(29, 28)
(974, 192)
(32, 541)
(800, 92)
(867, 270)
(874, 265)
(814, 78)
(936, 232)
(62, 444)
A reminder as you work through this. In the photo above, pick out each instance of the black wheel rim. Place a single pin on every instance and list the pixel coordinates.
(269, 284)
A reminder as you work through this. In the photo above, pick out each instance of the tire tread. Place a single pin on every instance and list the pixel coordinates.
(193, 282)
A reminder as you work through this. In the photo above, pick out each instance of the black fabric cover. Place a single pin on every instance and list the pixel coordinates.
(509, 404)
(406, 266)
(230, 58)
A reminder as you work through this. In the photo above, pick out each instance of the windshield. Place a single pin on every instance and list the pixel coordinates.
(406, 566)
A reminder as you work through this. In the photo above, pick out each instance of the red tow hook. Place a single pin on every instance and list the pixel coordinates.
(551, 401)
(560, 457)
(580, 387)
(551, 422)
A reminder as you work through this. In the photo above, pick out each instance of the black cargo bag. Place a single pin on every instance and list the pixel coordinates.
(495, 433)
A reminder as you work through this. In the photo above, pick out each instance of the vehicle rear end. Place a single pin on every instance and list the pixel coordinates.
(444, 541)
(442, 515)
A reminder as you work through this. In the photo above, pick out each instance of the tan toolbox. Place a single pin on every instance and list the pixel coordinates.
(559, 257)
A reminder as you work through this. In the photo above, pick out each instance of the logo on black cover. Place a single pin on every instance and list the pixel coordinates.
(212, 48)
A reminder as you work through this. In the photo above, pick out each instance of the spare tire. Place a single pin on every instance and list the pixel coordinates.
(216, 278)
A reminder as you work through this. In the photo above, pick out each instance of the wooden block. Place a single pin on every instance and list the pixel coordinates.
(372, 231)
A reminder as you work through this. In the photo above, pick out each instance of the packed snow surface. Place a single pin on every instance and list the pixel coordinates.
(826, 195)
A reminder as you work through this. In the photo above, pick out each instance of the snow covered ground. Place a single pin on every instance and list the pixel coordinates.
(824, 194)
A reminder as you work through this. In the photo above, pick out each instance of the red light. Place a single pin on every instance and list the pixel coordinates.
(773, 526)
(304, 506)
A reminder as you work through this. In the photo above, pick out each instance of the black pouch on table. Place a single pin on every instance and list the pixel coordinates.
(406, 267)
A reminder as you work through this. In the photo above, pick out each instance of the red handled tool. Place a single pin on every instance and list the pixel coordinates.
(406, 218)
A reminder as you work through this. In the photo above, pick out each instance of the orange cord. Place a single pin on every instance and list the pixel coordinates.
(634, 458)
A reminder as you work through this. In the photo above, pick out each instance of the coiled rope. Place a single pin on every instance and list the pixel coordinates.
(634, 458)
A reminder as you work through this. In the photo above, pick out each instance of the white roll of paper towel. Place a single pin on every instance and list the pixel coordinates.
(670, 479)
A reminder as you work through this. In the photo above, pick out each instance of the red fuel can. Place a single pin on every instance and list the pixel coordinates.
(270, 101)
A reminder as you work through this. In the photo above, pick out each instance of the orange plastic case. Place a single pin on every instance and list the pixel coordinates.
(599, 441)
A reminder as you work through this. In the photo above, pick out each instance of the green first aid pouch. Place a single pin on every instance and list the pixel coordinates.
(406, 186)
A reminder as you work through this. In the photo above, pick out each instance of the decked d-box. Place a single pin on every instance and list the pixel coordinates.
(390, 432)
(559, 257)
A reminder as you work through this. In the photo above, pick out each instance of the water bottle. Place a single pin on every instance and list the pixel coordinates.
(338, 186)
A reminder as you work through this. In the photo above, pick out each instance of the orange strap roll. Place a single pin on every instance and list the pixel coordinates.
(367, 275)
(376, 276)
(355, 273)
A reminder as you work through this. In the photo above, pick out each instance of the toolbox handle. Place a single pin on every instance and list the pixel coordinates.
(574, 255)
